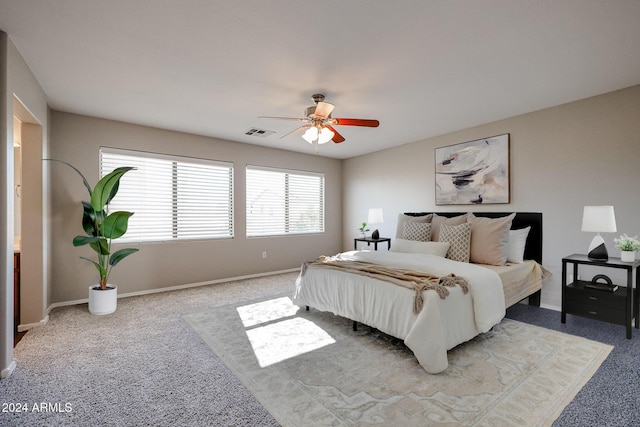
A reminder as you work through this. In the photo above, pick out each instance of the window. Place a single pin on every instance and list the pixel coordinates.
(172, 197)
(281, 202)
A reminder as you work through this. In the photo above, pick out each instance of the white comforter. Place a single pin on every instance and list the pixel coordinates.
(441, 325)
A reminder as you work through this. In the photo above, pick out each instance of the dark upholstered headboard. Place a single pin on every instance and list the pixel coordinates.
(533, 249)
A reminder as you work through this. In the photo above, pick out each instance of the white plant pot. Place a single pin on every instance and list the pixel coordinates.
(103, 302)
(627, 256)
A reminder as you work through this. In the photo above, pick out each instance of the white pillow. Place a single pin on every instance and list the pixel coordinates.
(515, 247)
(415, 247)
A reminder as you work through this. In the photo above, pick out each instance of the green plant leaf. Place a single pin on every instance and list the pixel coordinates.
(84, 240)
(84, 180)
(101, 269)
(107, 188)
(115, 225)
(89, 219)
(98, 244)
(101, 247)
(120, 255)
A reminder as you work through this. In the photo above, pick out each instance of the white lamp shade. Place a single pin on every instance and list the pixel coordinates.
(599, 219)
(375, 216)
(311, 135)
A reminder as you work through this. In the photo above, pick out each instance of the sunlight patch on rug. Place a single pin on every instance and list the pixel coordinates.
(275, 336)
(266, 311)
(286, 339)
(516, 374)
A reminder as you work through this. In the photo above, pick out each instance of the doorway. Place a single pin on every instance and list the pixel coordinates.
(17, 224)
(29, 237)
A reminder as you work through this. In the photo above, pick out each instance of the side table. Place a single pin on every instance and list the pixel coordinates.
(619, 306)
(370, 240)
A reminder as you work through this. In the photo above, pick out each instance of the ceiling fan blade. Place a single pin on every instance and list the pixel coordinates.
(296, 131)
(297, 119)
(355, 122)
(323, 109)
(337, 138)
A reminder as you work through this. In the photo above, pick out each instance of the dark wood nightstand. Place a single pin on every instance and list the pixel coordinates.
(370, 240)
(620, 306)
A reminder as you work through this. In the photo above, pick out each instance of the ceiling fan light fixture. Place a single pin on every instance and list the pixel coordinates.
(325, 135)
(319, 123)
(311, 135)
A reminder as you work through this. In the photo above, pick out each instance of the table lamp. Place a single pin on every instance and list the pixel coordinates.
(375, 217)
(598, 219)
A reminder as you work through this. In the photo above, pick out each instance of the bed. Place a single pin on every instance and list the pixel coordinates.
(469, 308)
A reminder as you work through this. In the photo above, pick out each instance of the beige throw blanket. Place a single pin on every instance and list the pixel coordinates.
(417, 281)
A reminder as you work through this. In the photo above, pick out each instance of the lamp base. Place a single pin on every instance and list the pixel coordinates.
(597, 249)
(375, 235)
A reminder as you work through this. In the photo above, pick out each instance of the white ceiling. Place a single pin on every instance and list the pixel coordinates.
(423, 67)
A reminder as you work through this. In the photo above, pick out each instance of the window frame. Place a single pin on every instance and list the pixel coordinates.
(176, 160)
(287, 224)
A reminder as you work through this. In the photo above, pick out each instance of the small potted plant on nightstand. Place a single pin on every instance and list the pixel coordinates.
(628, 247)
(364, 229)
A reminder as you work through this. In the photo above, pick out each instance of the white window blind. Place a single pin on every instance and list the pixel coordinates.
(281, 202)
(172, 197)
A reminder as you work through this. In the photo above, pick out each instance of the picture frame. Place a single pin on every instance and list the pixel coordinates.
(473, 172)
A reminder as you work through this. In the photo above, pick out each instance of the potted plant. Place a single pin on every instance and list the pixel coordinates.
(628, 247)
(364, 229)
(101, 228)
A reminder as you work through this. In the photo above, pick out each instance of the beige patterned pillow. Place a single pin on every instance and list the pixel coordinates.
(437, 220)
(459, 238)
(403, 219)
(420, 231)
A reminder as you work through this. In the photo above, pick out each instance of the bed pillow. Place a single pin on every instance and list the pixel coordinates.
(402, 219)
(420, 231)
(517, 242)
(438, 220)
(415, 247)
(459, 239)
(489, 239)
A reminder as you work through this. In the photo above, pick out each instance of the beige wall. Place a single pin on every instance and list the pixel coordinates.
(562, 158)
(77, 140)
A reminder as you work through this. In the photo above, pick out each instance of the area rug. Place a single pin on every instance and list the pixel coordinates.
(311, 368)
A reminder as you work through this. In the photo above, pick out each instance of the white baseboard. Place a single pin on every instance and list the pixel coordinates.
(27, 326)
(9, 370)
(175, 288)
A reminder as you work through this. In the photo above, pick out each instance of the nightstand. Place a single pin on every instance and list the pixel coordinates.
(618, 307)
(370, 240)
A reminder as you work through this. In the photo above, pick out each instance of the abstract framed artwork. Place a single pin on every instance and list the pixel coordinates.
(474, 172)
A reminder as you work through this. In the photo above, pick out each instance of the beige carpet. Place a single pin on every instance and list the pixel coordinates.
(310, 368)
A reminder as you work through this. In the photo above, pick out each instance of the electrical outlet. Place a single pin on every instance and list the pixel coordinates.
(264, 254)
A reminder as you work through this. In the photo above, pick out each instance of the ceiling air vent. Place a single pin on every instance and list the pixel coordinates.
(259, 132)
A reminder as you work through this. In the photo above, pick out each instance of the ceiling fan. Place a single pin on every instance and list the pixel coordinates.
(319, 127)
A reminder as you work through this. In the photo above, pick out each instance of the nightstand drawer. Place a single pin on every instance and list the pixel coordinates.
(597, 311)
(576, 292)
